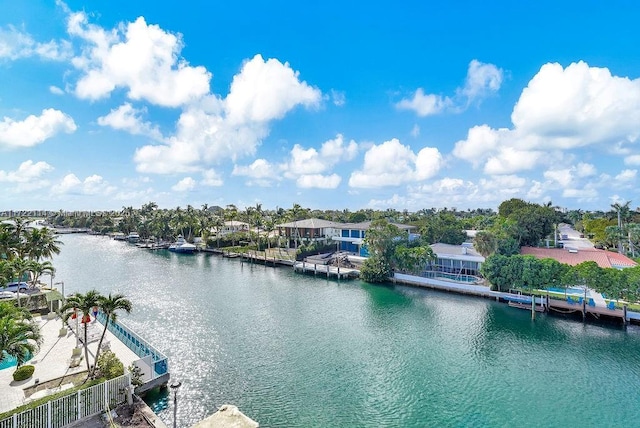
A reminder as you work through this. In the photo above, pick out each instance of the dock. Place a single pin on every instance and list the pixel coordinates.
(270, 257)
(597, 312)
(329, 271)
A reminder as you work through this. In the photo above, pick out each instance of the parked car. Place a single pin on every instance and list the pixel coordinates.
(15, 286)
(7, 295)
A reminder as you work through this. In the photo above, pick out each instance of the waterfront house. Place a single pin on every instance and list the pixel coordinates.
(575, 256)
(455, 262)
(311, 229)
(351, 236)
(233, 227)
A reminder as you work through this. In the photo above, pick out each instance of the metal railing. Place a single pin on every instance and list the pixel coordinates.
(73, 407)
(458, 277)
(139, 346)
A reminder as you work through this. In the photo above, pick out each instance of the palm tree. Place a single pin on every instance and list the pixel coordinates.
(19, 229)
(230, 214)
(9, 242)
(218, 223)
(19, 267)
(84, 303)
(624, 212)
(41, 243)
(110, 305)
(19, 338)
(39, 269)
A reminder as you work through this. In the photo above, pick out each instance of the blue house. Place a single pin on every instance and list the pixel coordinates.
(351, 236)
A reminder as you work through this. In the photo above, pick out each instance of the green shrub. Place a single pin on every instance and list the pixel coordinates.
(23, 372)
(109, 366)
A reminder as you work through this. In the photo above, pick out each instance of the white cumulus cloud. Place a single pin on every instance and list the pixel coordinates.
(28, 176)
(260, 173)
(211, 178)
(92, 185)
(184, 185)
(267, 90)
(425, 104)
(318, 181)
(561, 109)
(391, 164)
(35, 129)
(27, 171)
(310, 167)
(16, 44)
(144, 59)
(127, 118)
(482, 80)
(215, 129)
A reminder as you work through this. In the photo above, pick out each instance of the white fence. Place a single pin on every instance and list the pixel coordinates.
(71, 408)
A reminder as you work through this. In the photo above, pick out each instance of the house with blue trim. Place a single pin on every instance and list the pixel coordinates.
(351, 236)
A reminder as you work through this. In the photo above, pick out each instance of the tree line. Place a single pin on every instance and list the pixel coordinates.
(529, 273)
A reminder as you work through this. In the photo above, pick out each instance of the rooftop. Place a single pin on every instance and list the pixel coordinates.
(573, 257)
(456, 252)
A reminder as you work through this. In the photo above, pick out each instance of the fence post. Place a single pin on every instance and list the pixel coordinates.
(14, 421)
(106, 393)
(48, 414)
(78, 406)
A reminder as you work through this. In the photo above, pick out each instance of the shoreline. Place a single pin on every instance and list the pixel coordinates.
(543, 304)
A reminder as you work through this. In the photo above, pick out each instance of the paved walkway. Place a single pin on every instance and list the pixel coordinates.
(53, 359)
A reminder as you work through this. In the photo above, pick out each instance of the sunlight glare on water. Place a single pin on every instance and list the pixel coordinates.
(301, 351)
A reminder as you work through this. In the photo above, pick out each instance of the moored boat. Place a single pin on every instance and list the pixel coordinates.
(182, 246)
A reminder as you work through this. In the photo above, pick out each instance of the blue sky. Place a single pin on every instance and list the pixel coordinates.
(403, 105)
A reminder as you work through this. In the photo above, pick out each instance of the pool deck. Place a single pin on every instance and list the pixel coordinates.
(53, 359)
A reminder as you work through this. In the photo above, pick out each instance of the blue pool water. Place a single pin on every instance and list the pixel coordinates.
(569, 290)
(7, 361)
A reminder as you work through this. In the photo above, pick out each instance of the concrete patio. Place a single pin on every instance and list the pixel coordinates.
(53, 360)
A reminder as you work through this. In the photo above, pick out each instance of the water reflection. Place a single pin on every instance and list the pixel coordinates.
(297, 351)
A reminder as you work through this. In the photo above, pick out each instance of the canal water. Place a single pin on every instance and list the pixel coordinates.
(301, 351)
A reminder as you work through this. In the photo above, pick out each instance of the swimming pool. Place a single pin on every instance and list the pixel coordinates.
(8, 361)
(470, 279)
(569, 290)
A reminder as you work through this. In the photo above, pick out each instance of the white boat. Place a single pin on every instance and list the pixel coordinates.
(182, 246)
(133, 237)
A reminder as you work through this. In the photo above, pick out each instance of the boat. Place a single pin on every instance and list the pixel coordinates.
(133, 237)
(182, 246)
(119, 236)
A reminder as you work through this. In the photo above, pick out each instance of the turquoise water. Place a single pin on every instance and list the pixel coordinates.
(301, 351)
(7, 362)
(569, 290)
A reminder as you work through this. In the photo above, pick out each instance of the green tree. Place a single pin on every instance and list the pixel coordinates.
(110, 305)
(41, 243)
(444, 227)
(485, 243)
(375, 269)
(82, 305)
(379, 240)
(412, 259)
(108, 365)
(20, 338)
